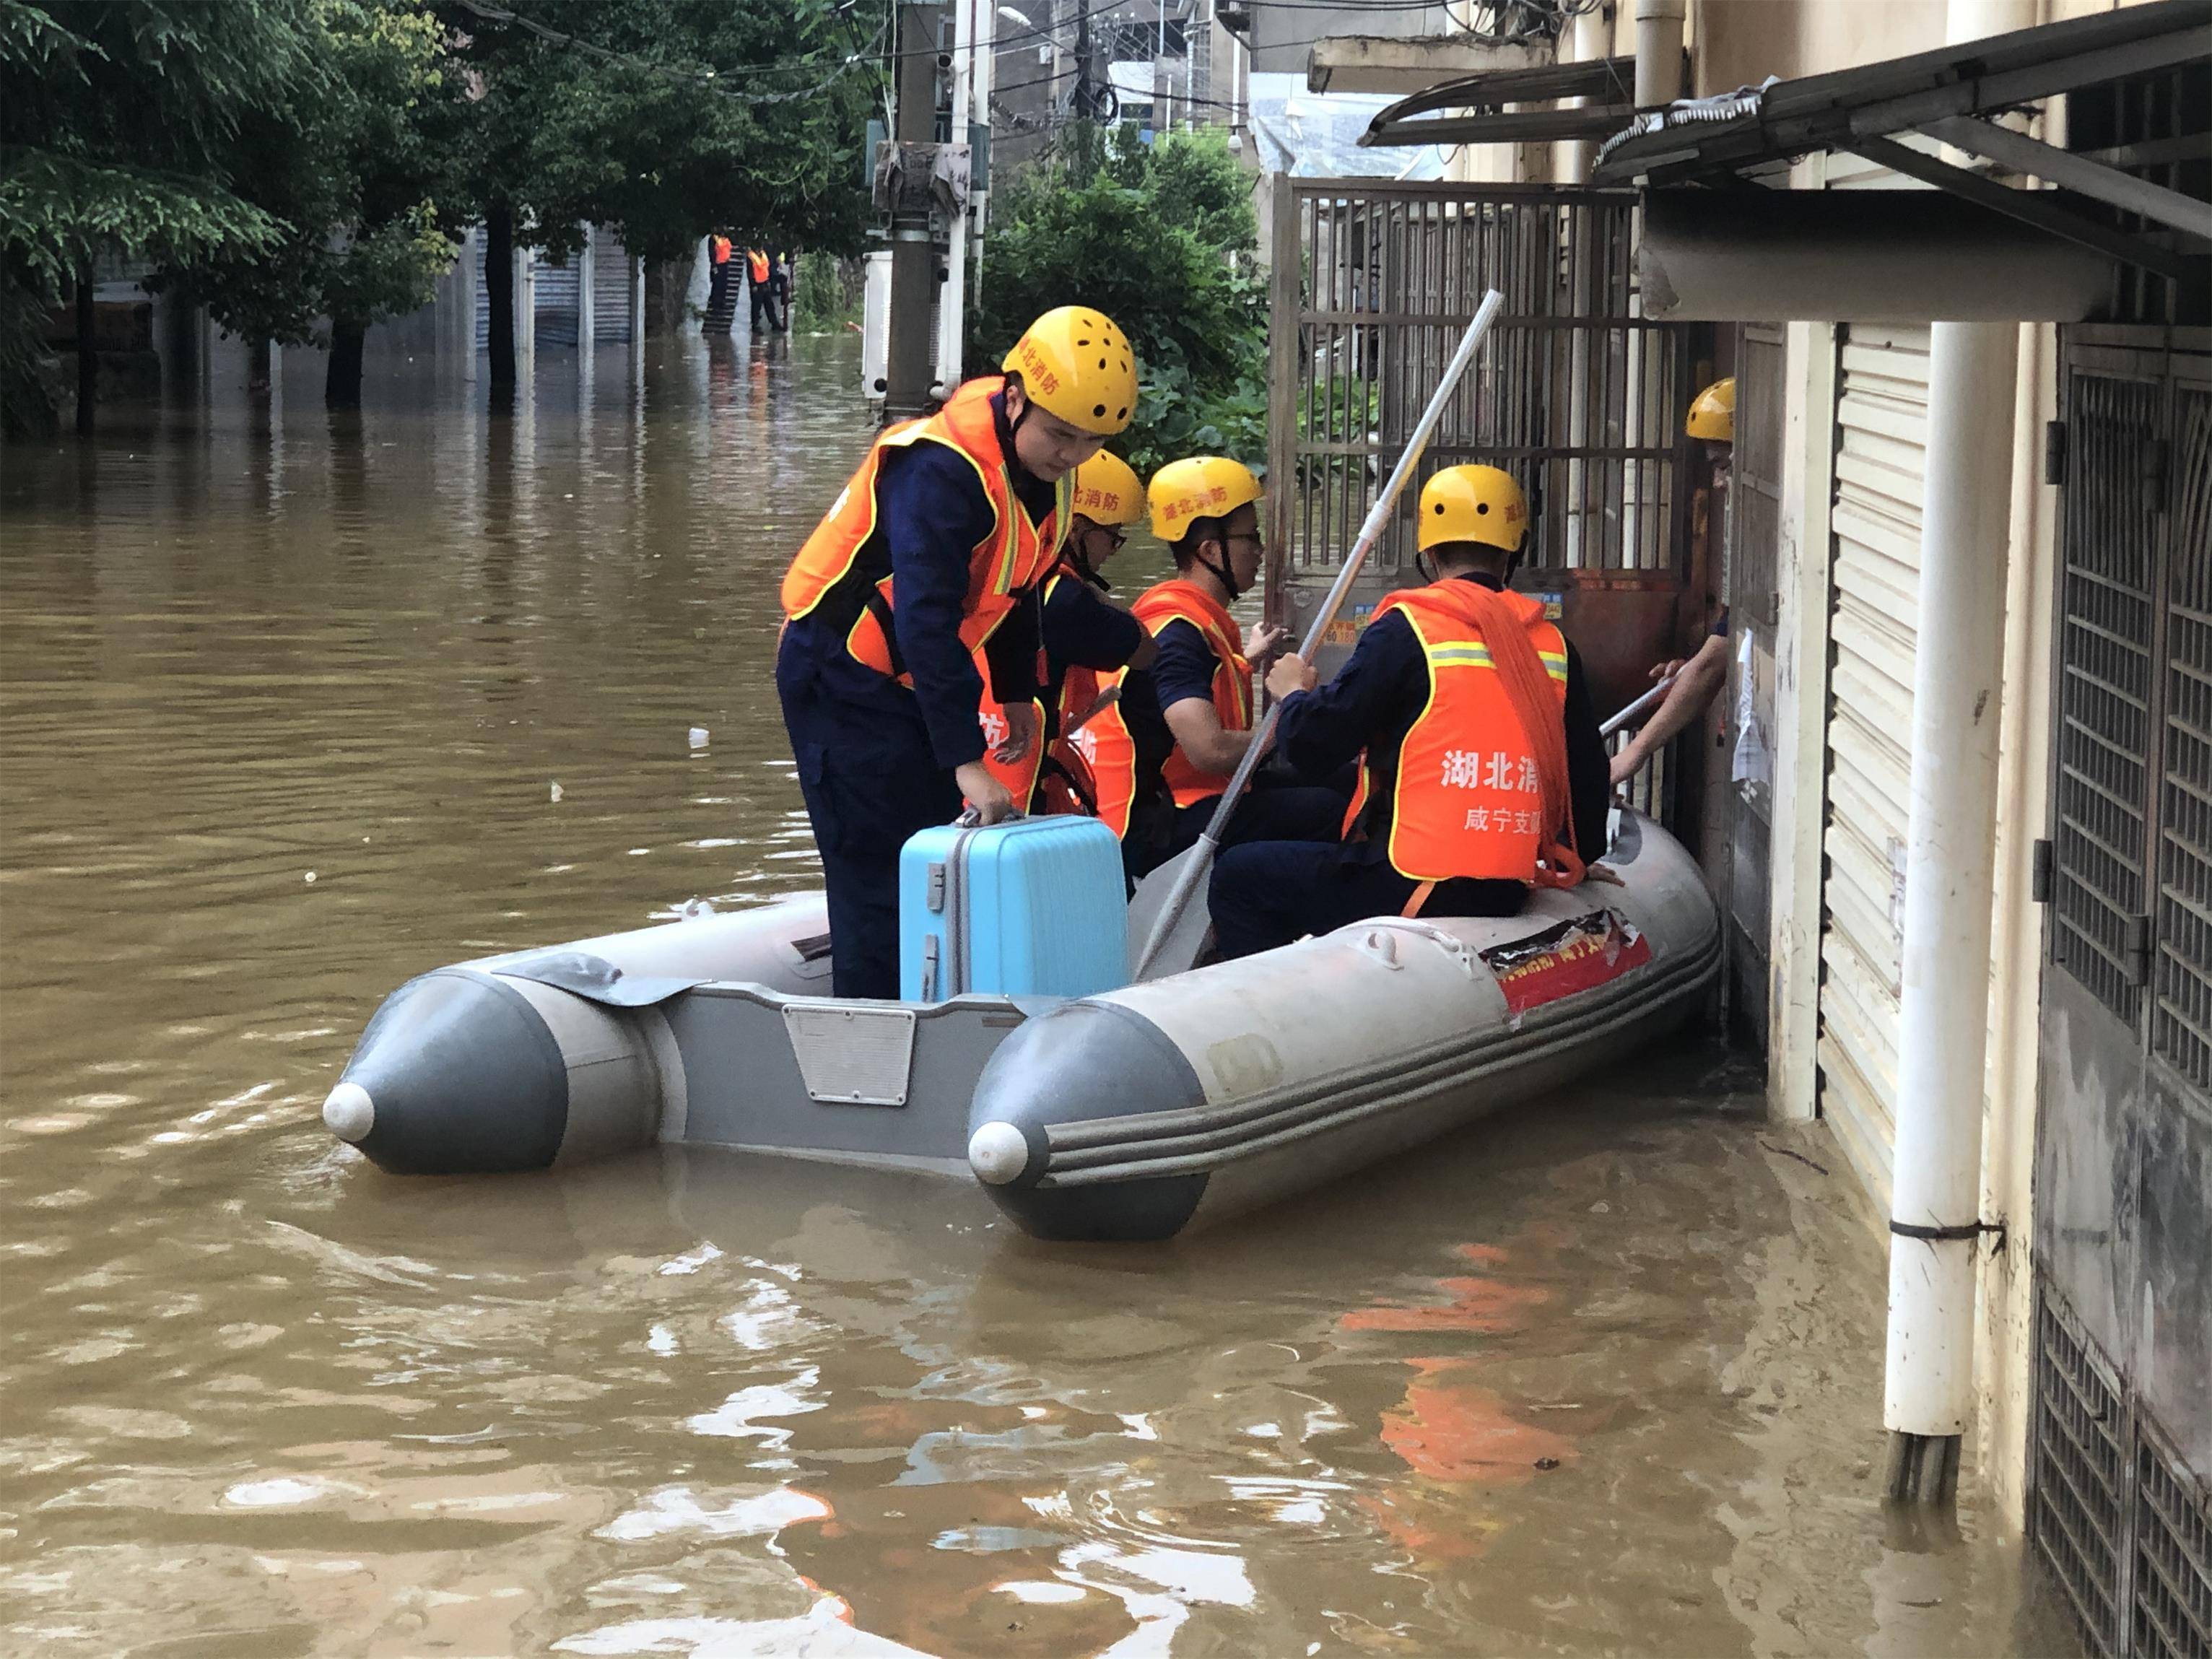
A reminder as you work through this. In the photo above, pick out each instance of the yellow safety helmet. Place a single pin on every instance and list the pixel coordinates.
(1472, 504)
(1712, 415)
(1107, 491)
(1201, 487)
(1076, 364)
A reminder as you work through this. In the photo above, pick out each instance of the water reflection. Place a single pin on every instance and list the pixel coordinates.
(1599, 1376)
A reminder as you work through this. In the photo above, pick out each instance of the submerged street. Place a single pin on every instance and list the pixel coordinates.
(293, 707)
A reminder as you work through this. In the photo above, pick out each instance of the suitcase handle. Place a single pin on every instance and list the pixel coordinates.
(971, 818)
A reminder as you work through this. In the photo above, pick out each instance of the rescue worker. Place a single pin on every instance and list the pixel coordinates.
(761, 275)
(779, 284)
(934, 550)
(1193, 709)
(1482, 772)
(718, 260)
(1699, 678)
(1087, 642)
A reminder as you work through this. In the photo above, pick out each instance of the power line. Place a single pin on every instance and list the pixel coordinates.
(708, 77)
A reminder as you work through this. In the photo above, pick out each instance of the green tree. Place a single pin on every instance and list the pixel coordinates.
(356, 165)
(1147, 240)
(664, 119)
(117, 124)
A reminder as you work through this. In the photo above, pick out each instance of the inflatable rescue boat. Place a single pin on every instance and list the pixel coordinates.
(1129, 1114)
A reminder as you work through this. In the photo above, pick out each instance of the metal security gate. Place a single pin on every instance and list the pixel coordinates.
(2122, 1450)
(1754, 545)
(1881, 419)
(1373, 284)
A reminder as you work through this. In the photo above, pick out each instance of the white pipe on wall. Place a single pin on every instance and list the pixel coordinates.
(1950, 871)
(1659, 50)
(1950, 866)
(1588, 37)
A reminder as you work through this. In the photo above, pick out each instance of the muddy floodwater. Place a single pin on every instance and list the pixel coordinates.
(295, 709)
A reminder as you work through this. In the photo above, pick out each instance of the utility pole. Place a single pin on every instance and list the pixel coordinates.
(1087, 101)
(907, 354)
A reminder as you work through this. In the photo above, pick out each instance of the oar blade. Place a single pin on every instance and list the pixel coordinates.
(1179, 952)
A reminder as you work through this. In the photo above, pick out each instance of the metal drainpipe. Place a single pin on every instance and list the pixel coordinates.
(1659, 50)
(1588, 38)
(1950, 867)
(1950, 870)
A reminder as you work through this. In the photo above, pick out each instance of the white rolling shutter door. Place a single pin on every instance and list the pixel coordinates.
(1882, 416)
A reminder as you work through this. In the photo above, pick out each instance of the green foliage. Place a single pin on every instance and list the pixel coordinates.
(670, 129)
(825, 293)
(1147, 238)
(117, 123)
(353, 166)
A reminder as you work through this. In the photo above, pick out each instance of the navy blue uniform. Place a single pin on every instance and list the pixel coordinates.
(875, 758)
(1082, 629)
(1276, 807)
(1267, 894)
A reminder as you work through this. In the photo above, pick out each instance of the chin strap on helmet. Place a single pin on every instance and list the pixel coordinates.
(1221, 575)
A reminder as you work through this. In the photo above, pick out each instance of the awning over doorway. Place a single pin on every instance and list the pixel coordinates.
(1945, 96)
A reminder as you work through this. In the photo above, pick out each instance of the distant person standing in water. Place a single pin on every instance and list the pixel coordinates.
(718, 260)
(780, 285)
(762, 276)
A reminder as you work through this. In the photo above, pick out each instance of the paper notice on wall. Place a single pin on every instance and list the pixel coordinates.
(1753, 762)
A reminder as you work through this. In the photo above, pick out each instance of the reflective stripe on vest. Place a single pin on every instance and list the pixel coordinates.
(1466, 801)
(1010, 559)
(1178, 600)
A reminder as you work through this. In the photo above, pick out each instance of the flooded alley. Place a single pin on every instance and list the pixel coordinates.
(295, 706)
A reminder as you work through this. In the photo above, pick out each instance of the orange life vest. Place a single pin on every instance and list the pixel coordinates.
(1097, 761)
(846, 560)
(1021, 777)
(758, 261)
(720, 250)
(1470, 797)
(1179, 600)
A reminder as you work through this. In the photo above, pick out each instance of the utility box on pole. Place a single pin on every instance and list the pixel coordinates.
(875, 324)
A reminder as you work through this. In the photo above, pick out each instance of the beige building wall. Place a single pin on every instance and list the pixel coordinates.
(1738, 42)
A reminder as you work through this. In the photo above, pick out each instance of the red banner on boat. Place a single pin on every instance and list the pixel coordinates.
(1575, 956)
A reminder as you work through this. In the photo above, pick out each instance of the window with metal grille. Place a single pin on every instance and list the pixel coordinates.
(1755, 475)
(2106, 617)
(2172, 1612)
(2181, 1011)
(2080, 1472)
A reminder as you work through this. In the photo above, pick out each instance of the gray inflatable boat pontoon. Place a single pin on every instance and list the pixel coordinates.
(1130, 1115)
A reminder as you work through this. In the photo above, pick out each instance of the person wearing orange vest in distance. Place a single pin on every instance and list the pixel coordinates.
(718, 261)
(761, 272)
(934, 549)
(1190, 716)
(1087, 642)
(1482, 772)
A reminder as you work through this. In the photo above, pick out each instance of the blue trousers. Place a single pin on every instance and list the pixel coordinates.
(870, 781)
(1268, 893)
(1271, 810)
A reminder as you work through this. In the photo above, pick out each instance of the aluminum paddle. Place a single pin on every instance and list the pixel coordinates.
(1182, 875)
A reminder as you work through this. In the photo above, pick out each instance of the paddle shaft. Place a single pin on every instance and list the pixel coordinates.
(1649, 700)
(1370, 531)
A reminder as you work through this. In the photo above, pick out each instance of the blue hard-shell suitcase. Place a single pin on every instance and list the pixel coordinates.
(1032, 907)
